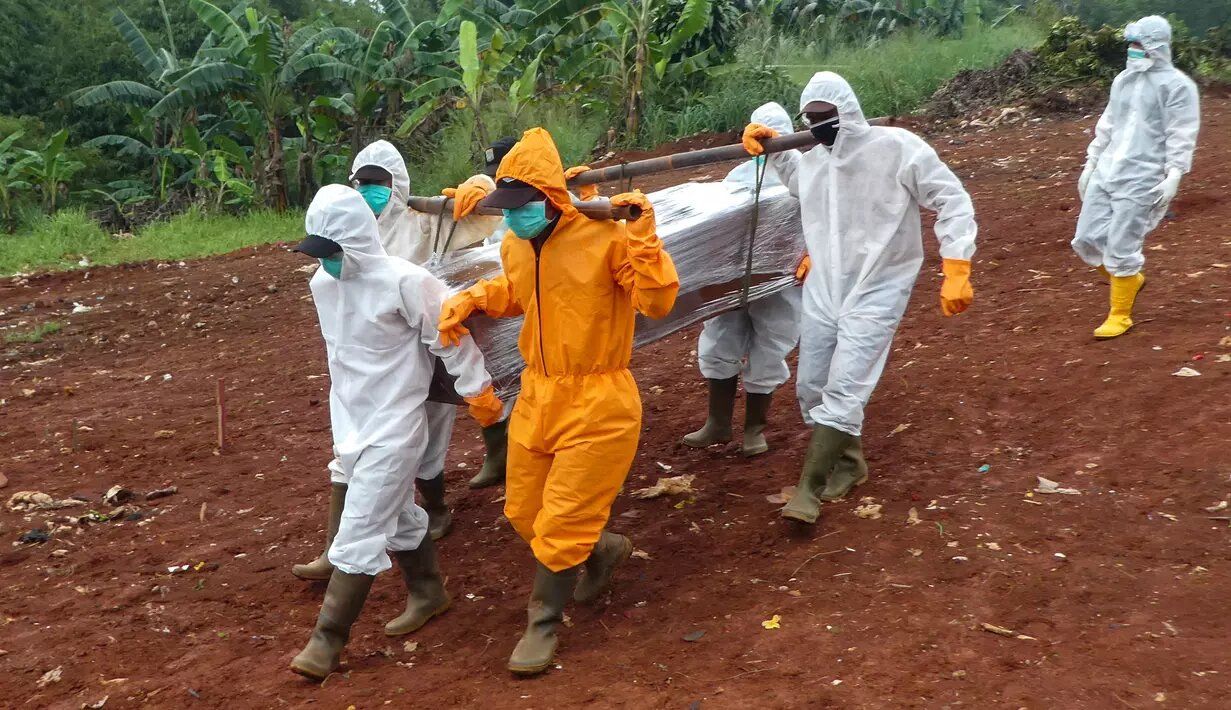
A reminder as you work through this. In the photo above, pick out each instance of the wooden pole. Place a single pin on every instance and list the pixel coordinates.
(599, 208)
(221, 404)
(690, 159)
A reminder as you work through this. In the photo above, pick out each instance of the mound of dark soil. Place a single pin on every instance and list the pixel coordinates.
(977, 89)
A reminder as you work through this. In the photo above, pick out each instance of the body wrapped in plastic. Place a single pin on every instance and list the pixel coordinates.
(705, 228)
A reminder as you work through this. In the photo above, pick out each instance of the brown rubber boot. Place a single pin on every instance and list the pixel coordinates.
(425, 588)
(611, 551)
(717, 428)
(850, 471)
(439, 517)
(537, 647)
(320, 568)
(823, 453)
(756, 414)
(344, 599)
(496, 443)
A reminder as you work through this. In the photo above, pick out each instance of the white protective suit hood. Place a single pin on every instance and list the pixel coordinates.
(1154, 34)
(744, 176)
(395, 222)
(832, 88)
(340, 214)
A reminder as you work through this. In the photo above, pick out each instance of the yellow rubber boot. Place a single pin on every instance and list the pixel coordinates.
(1124, 290)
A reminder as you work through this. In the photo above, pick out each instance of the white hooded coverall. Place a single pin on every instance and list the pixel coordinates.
(379, 325)
(1148, 128)
(754, 340)
(401, 235)
(859, 204)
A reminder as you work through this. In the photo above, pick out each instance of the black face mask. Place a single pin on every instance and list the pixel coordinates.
(825, 133)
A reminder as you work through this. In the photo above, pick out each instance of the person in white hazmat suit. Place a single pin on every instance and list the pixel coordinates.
(1143, 145)
(859, 196)
(378, 317)
(752, 341)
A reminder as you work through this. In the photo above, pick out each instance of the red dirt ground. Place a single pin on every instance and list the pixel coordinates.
(874, 612)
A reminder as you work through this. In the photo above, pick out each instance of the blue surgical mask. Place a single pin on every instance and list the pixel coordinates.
(377, 196)
(333, 265)
(1134, 53)
(528, 220)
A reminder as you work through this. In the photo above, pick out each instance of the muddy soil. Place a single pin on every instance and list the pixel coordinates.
(1114, 598)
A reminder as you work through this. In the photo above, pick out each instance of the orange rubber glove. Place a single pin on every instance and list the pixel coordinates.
(643, 228)
(956, 293)
(754, 133)
(585, 192)
(466, 196)
(801, 271)
(486, 408)
(455, 310)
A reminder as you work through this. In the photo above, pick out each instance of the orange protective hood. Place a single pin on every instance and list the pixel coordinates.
(535, 161)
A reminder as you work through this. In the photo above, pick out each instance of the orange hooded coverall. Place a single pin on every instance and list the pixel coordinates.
(574, 430)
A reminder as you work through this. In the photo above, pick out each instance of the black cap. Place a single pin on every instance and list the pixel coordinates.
(317, 246)
(510, 194)
(495, 154)
(371, 172)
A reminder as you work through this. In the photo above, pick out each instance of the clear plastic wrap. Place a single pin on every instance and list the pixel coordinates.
(704, 227)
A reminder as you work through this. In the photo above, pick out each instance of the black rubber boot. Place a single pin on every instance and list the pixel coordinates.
(425, 588)
(320, 568)
(496, 443)
(824, 451)
(756, 414)
(717, 428)
(850, 471)
(611, 551)
(344, 600)
(537, 647)
(439, 517)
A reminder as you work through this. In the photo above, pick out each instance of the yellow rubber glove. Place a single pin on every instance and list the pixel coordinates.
(801, 271)
(585, 192)
(455, 310)
(956, 293)
(467, 196)
(643, 228)
(486, 408)
(754, 133)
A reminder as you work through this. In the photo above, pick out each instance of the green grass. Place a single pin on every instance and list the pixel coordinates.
(897, 76)
(35, 334)
(60, 242)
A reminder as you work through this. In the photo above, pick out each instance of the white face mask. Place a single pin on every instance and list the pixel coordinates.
(1138, 60)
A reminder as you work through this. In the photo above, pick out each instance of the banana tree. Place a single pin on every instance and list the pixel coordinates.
(49, 169)
(13, 163)
(254, 60)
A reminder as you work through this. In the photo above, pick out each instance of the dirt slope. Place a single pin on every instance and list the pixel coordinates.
(1122, 589)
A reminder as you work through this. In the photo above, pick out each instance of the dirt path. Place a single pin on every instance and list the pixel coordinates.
(1123, 589)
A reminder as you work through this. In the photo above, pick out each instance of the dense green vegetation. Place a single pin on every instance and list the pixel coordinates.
(132, 111)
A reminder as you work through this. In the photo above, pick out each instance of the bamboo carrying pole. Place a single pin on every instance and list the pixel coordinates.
(690, 159)
(599, 208)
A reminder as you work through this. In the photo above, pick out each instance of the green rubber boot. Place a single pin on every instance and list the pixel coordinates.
(320, 568)
(344, 600)
(717, 428)
(537, 647)
(611, 551)
(425, 587)
(756, 414)
(850, 471)
(439, 517)
(496, 442)
(824, 451)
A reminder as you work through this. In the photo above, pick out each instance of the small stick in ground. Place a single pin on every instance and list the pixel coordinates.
(222, 415)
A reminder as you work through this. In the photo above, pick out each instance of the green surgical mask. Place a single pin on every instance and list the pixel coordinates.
(528, 220)
(1134, 53)
(333, 265)
(377, 196)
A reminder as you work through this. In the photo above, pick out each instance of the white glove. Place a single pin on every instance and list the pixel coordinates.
(1168, 188)
(1084, 181)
